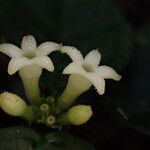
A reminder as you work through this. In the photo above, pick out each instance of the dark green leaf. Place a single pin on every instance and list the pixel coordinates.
(20, 138)
(97, 24)
(63, 141)
(17, 138)
(139, 104)
(132, 98)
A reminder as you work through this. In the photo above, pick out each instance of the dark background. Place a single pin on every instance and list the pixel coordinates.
(121, 31)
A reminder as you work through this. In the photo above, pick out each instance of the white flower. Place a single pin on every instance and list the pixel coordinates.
(29, 61)
(89, 68)
(29, 54)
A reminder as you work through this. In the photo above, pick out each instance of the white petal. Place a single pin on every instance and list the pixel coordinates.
(28, 43)
(46, 48)
(107, 73)
(73, 53)
(10, 50)
(92, 58)
(16, 63)
(98, 82)
(44, 62)
(73, 68)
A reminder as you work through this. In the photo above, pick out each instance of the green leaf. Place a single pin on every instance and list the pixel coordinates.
(140, 105)
(63, 141)
(17, 138)
(97, 24)
(21, 138)
(132, 96)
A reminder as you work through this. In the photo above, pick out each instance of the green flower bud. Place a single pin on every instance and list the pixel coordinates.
(50, 120)
(76, 115)
(44, 108)
(12, 104)
(15, 106)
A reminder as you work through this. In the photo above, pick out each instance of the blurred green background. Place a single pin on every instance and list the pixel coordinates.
(121, 31)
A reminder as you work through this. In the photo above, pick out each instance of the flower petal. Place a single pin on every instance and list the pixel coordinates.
(98, 82)
(10, 50)
(46, 48)
(92, 58)
(73, 68)
(73, 53)
(107, 73)
(16, 63)
(44, 62)
(28, 43)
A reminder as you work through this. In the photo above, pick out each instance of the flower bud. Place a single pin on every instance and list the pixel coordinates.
(44, 108)
(76, 115)
(12, 104)
(50, 120)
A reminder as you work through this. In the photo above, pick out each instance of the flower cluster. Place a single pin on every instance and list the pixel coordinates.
(29, 62)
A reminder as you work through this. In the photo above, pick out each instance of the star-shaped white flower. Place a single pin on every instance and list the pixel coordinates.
(29, 54)
(29, 61)
(89, 68)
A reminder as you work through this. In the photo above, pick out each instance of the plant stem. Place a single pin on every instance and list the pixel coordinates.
(29, 114)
